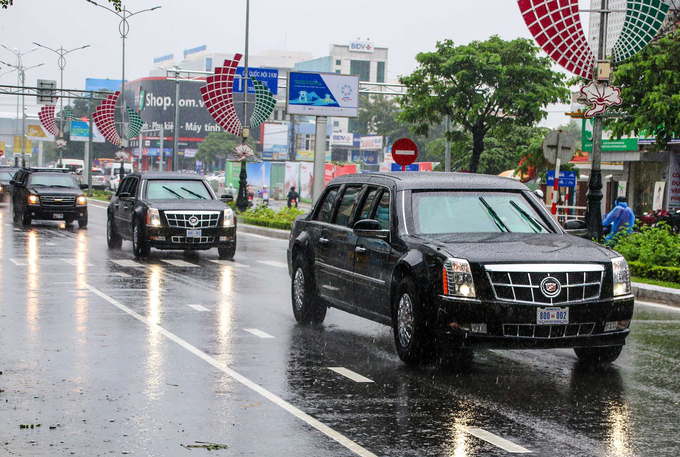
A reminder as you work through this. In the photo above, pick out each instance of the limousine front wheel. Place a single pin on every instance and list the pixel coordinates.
(307, 307)
(411, 335)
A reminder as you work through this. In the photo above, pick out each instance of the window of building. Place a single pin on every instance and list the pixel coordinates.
(338, 62)
(337, 71)
(380, 77)
(361, 68)
(336, 123)
(208, 64)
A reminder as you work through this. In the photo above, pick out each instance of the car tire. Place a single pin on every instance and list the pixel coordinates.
(113, 239)
(308, 308)
(16, 216)
(595, 355)
(227, 252)
(25, 219)
(140, 246)
(82, 221)
(412, 337)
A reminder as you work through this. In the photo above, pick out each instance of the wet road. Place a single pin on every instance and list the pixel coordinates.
(115, 356)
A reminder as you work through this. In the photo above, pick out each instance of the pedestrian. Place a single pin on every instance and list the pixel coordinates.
(230, 190)
(264, 195)
(621, 218)
(293, 197)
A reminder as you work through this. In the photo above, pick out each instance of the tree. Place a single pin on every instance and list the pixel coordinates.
(217, 146)
(482, 86)
(650, 90)
(378, 115)
(533, 161)
(7, 3)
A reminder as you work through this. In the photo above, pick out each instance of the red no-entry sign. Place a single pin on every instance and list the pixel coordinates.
(404, 152)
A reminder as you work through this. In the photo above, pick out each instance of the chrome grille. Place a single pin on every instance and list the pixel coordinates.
(181, 219)
(57, 201)
(548, 331)
(192, 240)
(521, 283)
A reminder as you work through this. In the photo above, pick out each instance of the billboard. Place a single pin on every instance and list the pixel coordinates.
(322, 94)
(98, 85)
(80, 131)
(342, 139)
(371, 142)
(306, 180)
(259, 174)
(275, 140)
(267, 76)
(38, 133)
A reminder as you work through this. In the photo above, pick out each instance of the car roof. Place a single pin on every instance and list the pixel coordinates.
(167, 175)
(432, 180)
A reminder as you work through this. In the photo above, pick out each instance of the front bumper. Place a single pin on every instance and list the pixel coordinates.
(176, 238)
(42, 213)
(514, 326)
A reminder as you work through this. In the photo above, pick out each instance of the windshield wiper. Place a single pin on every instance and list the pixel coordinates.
(193, 193)
(495, 217)
(173, 192)
(529, 218)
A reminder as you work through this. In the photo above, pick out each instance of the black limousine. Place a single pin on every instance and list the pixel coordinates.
(454, 262)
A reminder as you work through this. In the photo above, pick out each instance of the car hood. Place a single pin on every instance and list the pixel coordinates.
(55, 191)
(188, 205)
(521, 248)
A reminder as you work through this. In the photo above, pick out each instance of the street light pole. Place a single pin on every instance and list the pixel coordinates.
(242, 199)
(123, 29)
(61, 52)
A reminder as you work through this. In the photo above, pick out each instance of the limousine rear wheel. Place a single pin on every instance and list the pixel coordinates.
(411, 335)
(307, 307)
(598, 354)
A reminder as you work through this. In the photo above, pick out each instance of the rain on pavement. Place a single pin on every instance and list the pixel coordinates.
(111, 355)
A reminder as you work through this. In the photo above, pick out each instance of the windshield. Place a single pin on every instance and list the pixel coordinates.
(474, 212)
(175, 189)
(52, 180)
(7, 175)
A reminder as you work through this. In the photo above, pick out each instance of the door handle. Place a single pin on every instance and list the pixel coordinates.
(116, 206)
(360, 249)
(324, 240)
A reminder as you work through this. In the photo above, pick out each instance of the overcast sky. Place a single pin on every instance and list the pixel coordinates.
(405, 27)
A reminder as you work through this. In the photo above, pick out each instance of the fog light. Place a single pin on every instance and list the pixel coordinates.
(478, 328)
(610, 326)
(622, 325)
(160, 238)
(223, 238)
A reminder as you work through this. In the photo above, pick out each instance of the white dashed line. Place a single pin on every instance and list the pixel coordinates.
(263, 237)
(50, 244)
(656, 305)
(306, 418)
(199, 308)
(19, 263)
(181, 263)
(127, 263)
(229, 263)
(258, 333)
(124, 275)
(74, 262)
(274, 263)
(356, 377)
(497, 441)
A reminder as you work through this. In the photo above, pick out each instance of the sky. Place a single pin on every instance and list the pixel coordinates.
(405, 27)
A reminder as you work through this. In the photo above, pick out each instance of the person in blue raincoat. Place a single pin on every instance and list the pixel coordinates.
(621, 218)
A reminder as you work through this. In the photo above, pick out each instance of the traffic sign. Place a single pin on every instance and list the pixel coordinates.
(558, 139)
(567, 178)
(47, 93)
(404, 152)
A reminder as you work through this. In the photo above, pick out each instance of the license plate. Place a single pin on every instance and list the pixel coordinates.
(193, 233)
(552, 316)
(57, 216)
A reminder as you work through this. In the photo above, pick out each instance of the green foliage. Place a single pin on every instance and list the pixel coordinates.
(482, 86)
(656, 282)
(668, 274)
(650, 90)
(651, 246)
(264, 216)
(533, 152)
(216, 146)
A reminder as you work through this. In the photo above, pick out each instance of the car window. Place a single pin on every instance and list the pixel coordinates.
(158, 189)
(368, 203)
(7, 175)
(51, 179)
(134, 182)
(347, 205)
(382, 212)
(474, 212)
(124, 185)
(324, 214)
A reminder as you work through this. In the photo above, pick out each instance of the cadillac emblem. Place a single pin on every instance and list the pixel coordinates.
(551, 287)
(193, 221)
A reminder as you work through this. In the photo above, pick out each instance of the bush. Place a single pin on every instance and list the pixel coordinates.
(264, 216)
(669, 274)
(651, 246)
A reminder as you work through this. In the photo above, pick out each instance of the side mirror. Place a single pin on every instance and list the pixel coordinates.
(83, 186)
(227, 198)
(370, 228)
(539, 193)
(576, 227)
(125, 196)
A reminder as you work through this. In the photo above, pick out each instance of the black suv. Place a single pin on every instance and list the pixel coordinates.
(454, 262)
(48, 194)
(6, 176)
(170, 210)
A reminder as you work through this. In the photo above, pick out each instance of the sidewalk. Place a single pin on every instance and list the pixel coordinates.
(664, 295)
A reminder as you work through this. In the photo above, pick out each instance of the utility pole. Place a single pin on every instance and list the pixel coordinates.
(242, 199)
(175, 142)
(447, 148)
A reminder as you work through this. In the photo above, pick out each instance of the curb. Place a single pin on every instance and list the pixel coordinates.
(658, 294)
(264, 231)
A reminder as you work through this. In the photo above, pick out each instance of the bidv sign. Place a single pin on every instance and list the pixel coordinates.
(360, 46)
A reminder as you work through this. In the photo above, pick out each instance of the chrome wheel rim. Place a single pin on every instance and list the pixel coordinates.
(135, 237)
(405, 320)
(299, 289)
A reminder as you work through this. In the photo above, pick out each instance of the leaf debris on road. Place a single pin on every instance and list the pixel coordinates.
(205, 445)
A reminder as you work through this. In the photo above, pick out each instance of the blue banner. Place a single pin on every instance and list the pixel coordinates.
(412, 167)
(567, 178)
(267, 76)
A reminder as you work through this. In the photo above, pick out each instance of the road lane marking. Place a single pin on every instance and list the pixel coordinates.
(50, 244)
(19, 263)
(356, 377)
(199, 308)
(497, 441)
(74, 262)
(258, 333)
(306, 418)
(127, 263)
(657, 305)
(229, 263)
(263, 237)
(181, 263)
(274, 263)
(124, 275)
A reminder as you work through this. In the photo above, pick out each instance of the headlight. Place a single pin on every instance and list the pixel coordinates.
(228, 218)
(153, 217)
(33, 200)
(0, 188)
(457, 278)
(81, 200)
(621, 276)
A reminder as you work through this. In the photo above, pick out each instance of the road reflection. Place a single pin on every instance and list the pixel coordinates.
(155, 375)
(33, 283)
(82, 300)
(225, 330)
